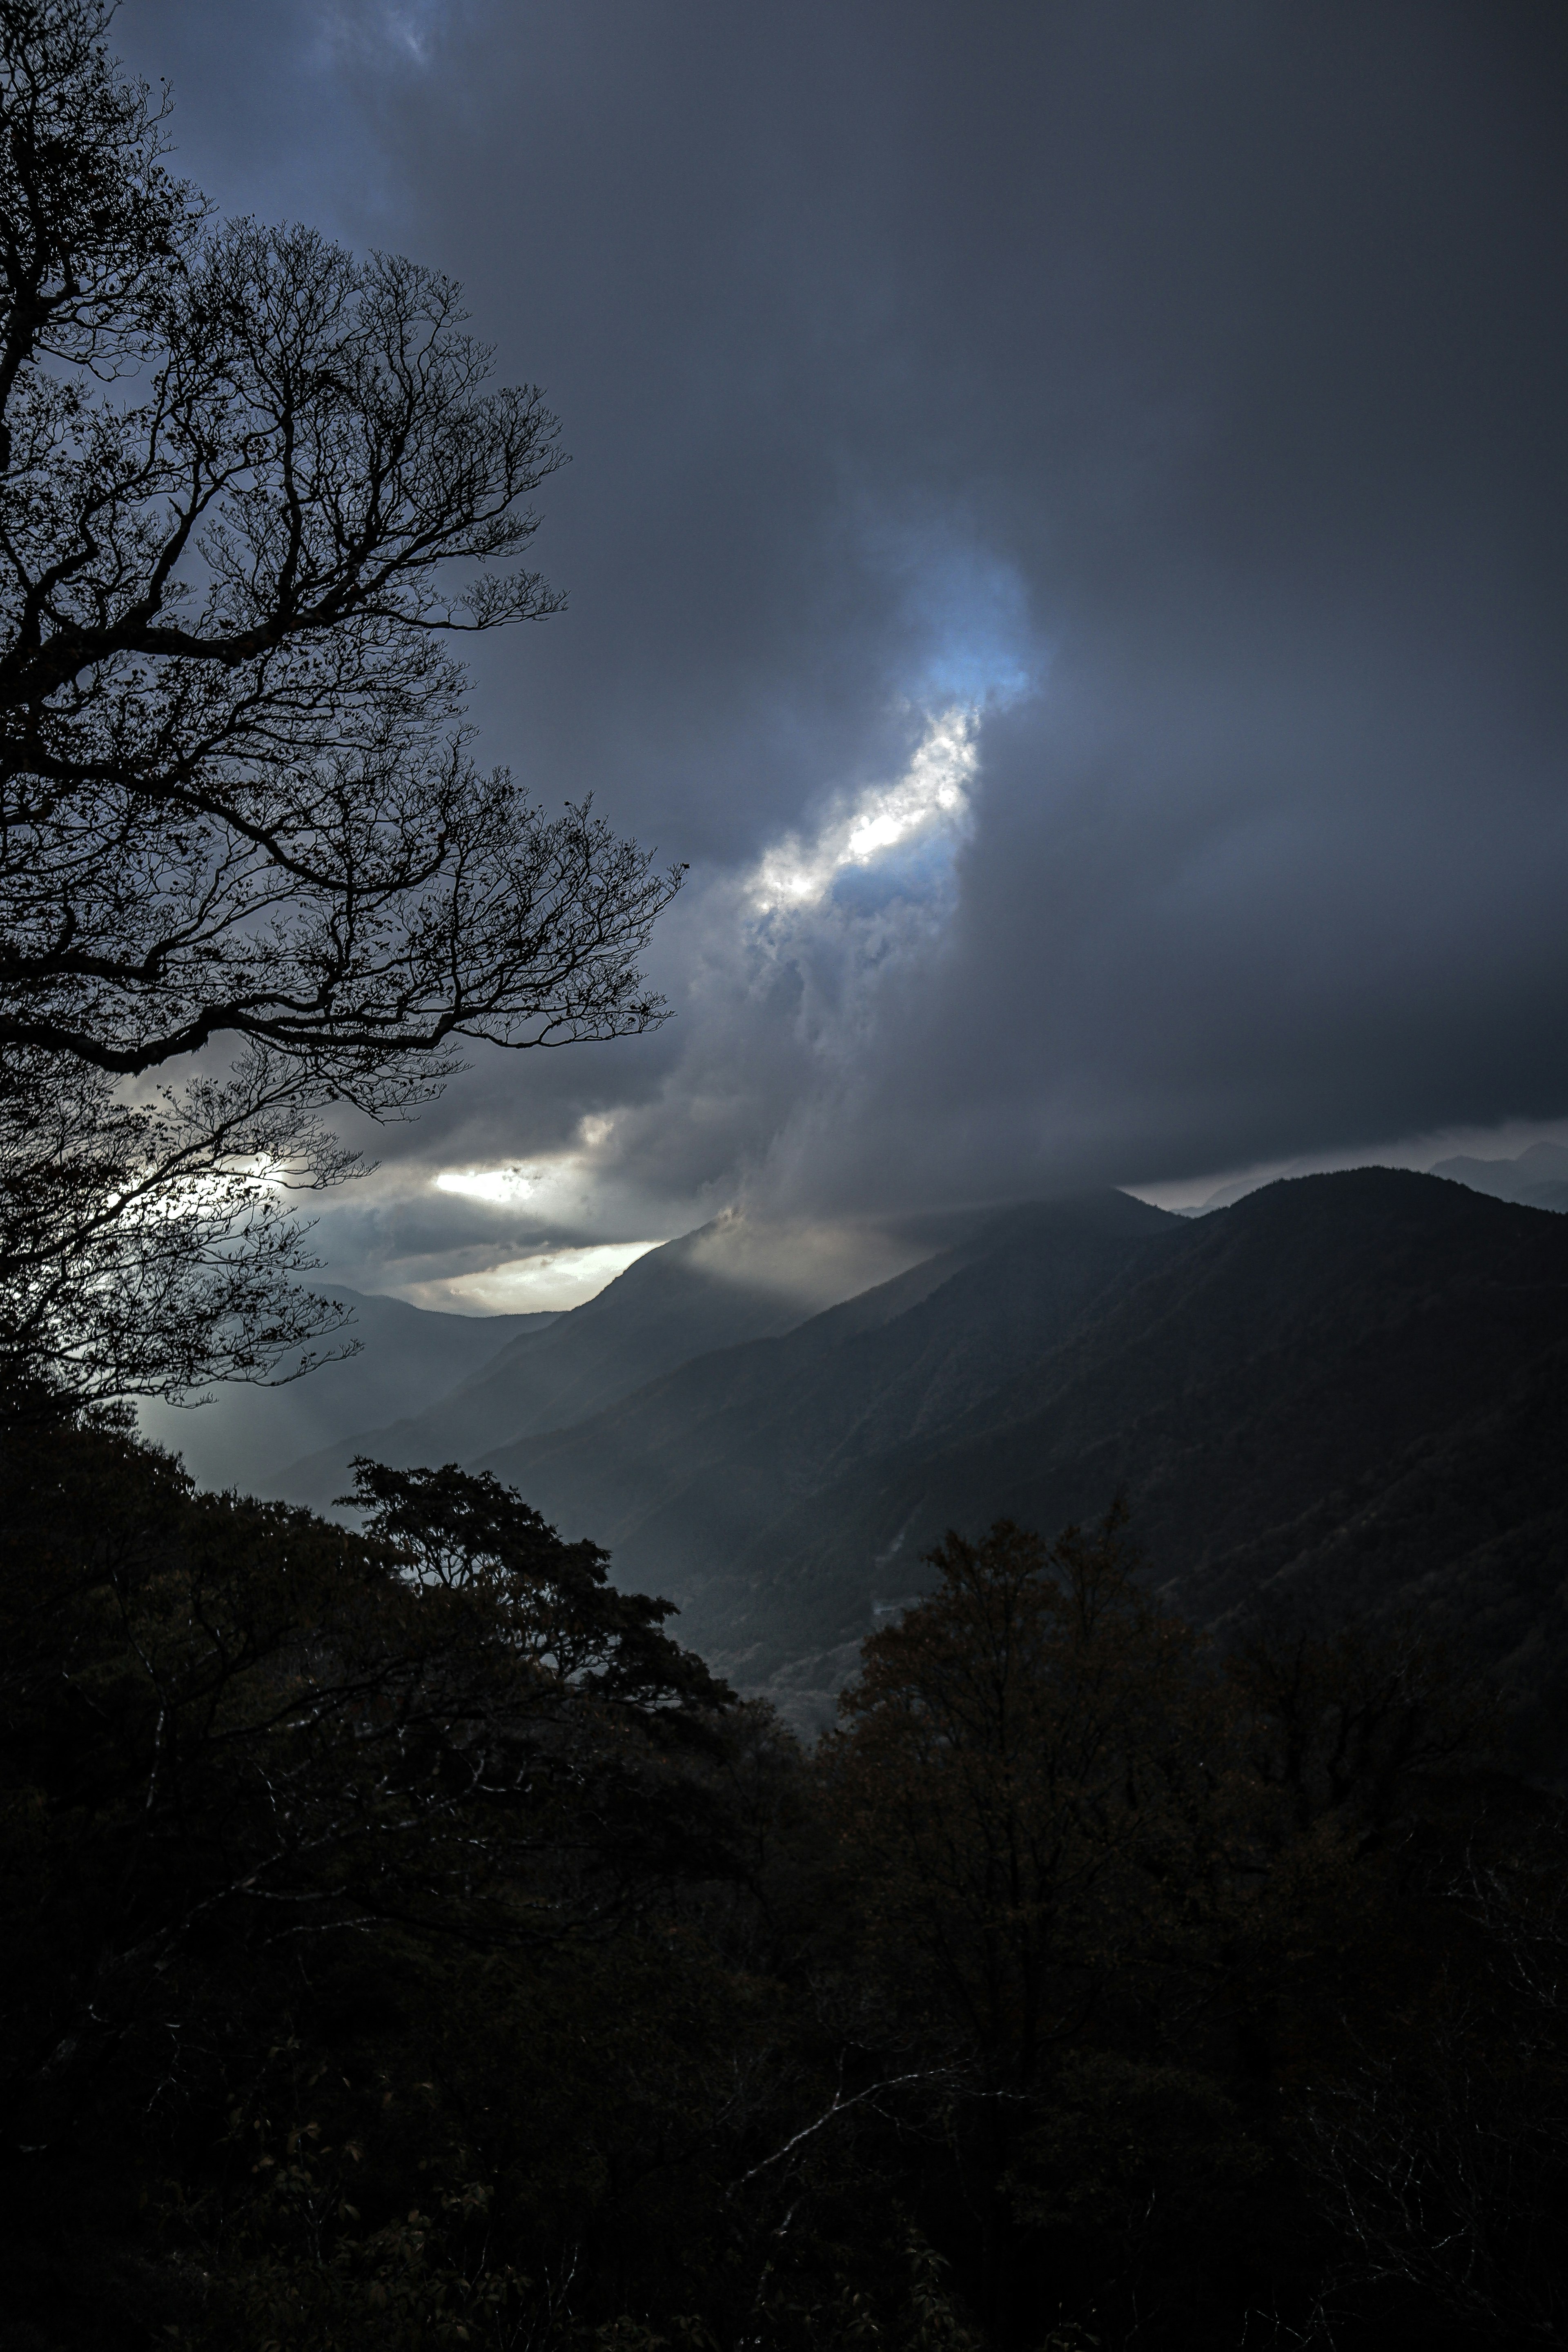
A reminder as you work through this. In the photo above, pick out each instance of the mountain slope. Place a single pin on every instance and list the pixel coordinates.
(1279, 1368)
(408, 1357)
(1537, 1178)
(676, 1477)
(680, 1300)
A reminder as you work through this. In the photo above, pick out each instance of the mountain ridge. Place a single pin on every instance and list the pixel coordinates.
(246, 1435)
(681, 1300)
(1210, 1479)
(1323, 1355)
(894, 1351)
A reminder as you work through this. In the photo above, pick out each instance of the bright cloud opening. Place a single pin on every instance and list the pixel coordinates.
(553, 1190)
(490, 1183)
(929, 802)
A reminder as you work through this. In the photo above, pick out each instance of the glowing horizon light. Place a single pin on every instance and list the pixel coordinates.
(930, 799)
(550, 1281)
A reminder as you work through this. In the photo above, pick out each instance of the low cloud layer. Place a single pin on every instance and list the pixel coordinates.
(1065, 536)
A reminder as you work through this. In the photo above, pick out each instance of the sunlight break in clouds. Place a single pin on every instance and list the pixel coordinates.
(494, 1184)
(552, 1281)
(555, 1276)
(929, 803)
(555, 1190)
(843, 910)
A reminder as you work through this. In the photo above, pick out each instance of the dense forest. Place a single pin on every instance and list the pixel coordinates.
(407, 1943)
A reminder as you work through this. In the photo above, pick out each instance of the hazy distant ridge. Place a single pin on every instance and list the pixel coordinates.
(680, 1300)
(1537, 1179)
(245, 1436)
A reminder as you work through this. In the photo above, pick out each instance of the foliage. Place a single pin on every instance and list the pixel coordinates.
(1032, 1757)
(406, 1943)
(251, 1731)
(1441, 2152)
(237, 808)
(139, 1255)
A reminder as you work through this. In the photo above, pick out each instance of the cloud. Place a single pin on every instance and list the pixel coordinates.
(379, 32)
(1139, 426)
(548, 1282)
(895, 839)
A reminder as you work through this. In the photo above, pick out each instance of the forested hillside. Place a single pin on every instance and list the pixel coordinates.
(407, 1944)
(1342, 1395)
(678, 1301)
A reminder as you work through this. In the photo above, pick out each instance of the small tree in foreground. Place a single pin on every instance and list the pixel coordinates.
(253, 491)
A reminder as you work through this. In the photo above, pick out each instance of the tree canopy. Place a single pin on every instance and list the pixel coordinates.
(406, 1943)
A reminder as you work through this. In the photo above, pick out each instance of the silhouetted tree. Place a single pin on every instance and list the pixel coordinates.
(1033, 1775)
(237, 810)
(248, 1729)
(1440, 2149)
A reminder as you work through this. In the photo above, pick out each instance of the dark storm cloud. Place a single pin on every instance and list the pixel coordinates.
(1182, 386)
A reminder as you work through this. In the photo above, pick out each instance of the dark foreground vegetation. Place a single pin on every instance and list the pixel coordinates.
(408, 1943)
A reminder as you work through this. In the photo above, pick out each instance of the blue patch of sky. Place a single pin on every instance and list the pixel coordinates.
(923, 874)
(974, 641)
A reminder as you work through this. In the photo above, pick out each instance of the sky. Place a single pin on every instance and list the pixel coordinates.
(1065, 538)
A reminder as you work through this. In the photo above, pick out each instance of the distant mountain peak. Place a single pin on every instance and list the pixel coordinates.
(1537, 1178)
